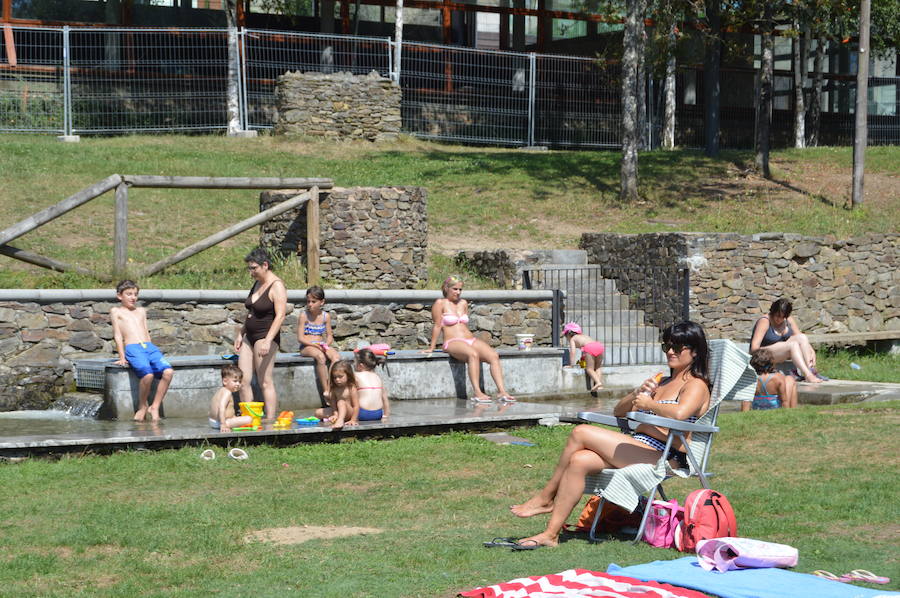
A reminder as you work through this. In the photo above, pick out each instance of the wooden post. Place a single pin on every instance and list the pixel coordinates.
(312, 238)
(226, 234)
(120, 255)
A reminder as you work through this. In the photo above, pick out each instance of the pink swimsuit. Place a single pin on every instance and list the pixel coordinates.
(451, 319)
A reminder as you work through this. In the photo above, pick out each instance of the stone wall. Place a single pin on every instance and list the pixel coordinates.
(369, 237)
(338, 106)
(41, 340)
(850, 285)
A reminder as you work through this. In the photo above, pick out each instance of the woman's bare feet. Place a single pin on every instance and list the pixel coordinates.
(532, 507)
(140, 415)
(542, 539)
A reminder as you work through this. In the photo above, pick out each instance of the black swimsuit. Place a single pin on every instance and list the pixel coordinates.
(260, 315)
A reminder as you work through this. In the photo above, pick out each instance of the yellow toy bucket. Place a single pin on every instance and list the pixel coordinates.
(254, 410)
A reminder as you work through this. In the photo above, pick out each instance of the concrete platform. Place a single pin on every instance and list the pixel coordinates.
(834, 392)
(407, 375)
(22, 433)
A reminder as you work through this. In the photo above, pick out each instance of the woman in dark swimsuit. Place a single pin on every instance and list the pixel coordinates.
(779, 333)
(259, 338)
(683, 395)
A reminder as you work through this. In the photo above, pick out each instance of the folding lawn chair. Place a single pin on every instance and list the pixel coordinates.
(733, 379)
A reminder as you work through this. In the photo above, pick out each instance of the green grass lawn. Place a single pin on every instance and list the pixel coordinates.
(475, 195)
(874, 366)
(822, 479)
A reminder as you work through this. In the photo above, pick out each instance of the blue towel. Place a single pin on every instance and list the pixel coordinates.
(744, 583)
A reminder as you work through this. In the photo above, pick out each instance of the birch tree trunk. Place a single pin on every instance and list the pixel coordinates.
(861, 136)
(668, 130)
(800, 60)
(642, 132)
(630, 72)
(711, 63)
(764, 96)
(815, 99)
(398, 40)
(233, 101)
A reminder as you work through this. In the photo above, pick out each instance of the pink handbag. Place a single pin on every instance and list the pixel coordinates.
(724, 554)
(663, 518)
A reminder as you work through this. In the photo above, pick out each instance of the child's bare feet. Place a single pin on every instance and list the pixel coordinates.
(532, 507)
(140, 415)
(542, 539)
(597, 386)
(154, 414)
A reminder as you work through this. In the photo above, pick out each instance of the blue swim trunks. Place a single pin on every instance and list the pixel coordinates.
(146, 358)
(370, 415)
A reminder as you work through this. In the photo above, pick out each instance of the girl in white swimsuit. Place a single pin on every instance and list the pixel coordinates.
(451, 319)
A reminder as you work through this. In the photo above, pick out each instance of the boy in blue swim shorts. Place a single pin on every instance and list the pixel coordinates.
(129, 322)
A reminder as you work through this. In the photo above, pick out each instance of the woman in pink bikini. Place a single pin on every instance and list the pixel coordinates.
(451, 318)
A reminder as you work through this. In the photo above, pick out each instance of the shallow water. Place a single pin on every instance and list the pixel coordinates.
(50, 424)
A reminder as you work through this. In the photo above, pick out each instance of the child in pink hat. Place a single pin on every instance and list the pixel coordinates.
(591, 352)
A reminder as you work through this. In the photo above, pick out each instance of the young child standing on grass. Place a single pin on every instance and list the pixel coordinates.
(342, 397)
(373, 399)
(591, 351)
(129, 322)
(221, 407)
(315, 336)
(773, 389)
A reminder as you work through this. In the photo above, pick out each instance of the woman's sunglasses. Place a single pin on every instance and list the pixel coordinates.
(673, 346)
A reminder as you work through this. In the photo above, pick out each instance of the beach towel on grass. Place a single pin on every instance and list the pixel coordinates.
(745, 583)
(580, 583)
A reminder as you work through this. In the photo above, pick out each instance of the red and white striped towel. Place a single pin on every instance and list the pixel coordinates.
(581, 583)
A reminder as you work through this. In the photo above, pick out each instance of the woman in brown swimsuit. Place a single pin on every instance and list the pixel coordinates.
(258, 340)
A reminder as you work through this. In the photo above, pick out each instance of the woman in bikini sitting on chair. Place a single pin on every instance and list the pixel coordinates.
(450, 316)
(683, 395)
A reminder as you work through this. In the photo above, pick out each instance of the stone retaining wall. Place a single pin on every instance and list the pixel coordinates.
(368, 237)
(338, 106)
(850, 285)
(40, 341)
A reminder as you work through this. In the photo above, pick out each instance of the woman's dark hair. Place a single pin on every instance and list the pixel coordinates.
(761, 361)
(781, 306)
(367, 358)
(691, 335)
(258, 256)
(316, 292)
(342, 366)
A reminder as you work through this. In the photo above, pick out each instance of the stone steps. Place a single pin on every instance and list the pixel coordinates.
(602, 311)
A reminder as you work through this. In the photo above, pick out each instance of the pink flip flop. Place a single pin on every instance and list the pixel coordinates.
(866, 576)
(829, 575)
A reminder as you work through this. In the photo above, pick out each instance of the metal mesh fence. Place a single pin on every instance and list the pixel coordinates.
(461, 94)
(577, 103)
(116, 80)
(269, 54)
(32, 91)
(148, 80)
(738, 114)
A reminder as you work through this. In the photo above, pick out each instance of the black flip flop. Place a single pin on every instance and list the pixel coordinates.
(526, 545)
(501, 543)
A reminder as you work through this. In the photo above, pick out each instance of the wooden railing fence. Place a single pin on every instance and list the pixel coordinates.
(122, 183)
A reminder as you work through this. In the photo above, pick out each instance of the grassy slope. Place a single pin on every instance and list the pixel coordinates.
(477, 196)
(166, 523)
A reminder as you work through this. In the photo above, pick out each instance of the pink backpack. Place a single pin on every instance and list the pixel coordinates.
(707, 514)
(662, 521)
